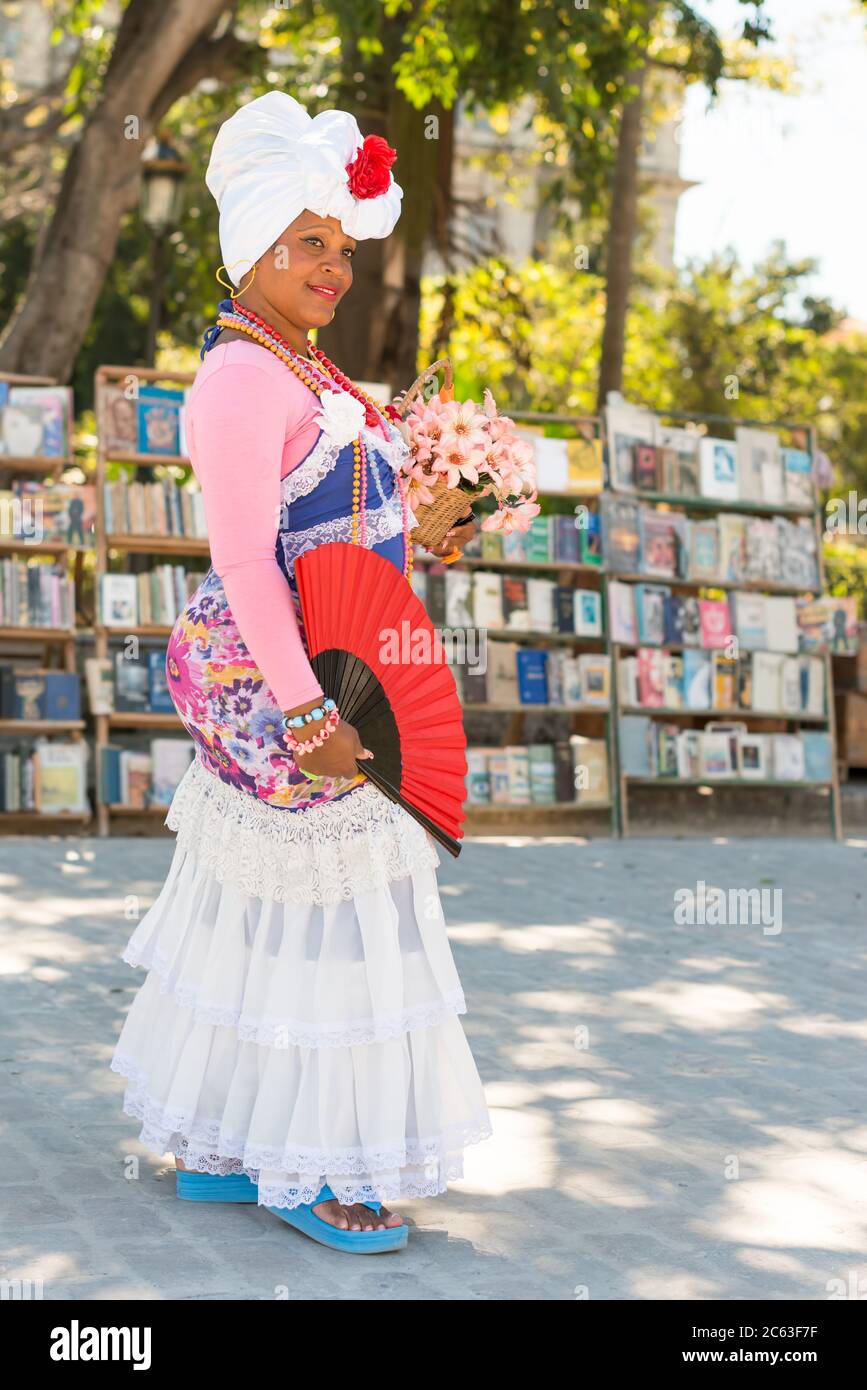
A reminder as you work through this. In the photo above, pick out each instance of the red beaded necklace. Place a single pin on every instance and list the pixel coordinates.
(372, 411)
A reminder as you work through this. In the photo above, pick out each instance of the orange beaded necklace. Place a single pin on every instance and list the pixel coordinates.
(244, 321)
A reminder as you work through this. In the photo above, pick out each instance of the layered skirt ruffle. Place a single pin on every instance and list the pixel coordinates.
(299, 1016)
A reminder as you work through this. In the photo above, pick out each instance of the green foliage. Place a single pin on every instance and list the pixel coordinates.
(713, 339)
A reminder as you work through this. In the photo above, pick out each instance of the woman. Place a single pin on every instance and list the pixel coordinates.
(296, 1039)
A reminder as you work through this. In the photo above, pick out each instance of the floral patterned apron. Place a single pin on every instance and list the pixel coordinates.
(217, 689)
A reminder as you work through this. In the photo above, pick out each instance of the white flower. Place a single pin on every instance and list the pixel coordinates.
(341, 416)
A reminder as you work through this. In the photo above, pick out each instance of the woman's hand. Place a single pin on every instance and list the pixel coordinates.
(458, 537)
(336, 756)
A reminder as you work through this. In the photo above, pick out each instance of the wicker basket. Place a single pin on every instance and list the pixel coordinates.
(450, 504)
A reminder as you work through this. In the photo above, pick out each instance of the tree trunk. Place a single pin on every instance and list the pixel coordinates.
(623, 222)
(100, 184)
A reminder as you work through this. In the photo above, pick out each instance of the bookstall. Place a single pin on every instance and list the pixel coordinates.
(151, 552)
(719, 631)
(44, 526)
(536, 691)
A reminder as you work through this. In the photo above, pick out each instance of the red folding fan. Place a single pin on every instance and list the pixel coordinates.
(375, 651)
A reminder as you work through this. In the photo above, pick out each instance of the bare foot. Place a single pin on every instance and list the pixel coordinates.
(356, 1217)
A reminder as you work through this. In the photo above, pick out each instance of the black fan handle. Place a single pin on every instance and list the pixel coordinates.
(447, 841)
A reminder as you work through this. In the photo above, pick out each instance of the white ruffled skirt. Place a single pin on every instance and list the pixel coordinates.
(298, 1021)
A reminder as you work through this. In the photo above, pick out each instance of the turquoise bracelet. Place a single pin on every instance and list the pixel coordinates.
(297, 721)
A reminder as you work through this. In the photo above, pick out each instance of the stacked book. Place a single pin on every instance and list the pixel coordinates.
(154, 509)
(728, 549)
(47, 777)
(489, 601)
(509, 674)
(539, 774)
(652, 615)
(139, 779)
(565, 465)
(34, 594)
(34, 694)
(36, 513)
(726, 751)
(571, 538)
(647, 456)
(155, 597)
(763, 682)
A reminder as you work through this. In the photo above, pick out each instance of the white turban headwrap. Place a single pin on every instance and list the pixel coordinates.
(271, 160)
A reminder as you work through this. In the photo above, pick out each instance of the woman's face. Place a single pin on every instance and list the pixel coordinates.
(308, 270)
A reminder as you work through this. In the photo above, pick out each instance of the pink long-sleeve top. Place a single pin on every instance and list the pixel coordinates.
(249, 421)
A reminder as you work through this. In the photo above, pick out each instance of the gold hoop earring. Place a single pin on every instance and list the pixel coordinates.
(228, 285)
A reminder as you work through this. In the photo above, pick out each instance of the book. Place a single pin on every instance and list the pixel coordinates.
(650, 612)
(689, 754)
(590, 770)
(99, 680)
(781, 624)
(459, 598)
(646, 468)
(119, 600)
(587, 613)
(584, 466)
(487, 600)
(538, 538)
(673, 693)
(788, 757)
(690, 621)
(704, 552)
(627, 427)
(758, 464)
(818, 752)
(798, 477)
(518, 774)
(634, 744)
(590, 538)
(662, 543)
(622, 617)
(732, 547)
(716, 755)
(158, 415)
(118, 419)
(170, 758)
(478, 776)
(718, 466)
(61, 777)
(620, 534)
(651, 677)
(678, 449)
(752, 755)
(749, 620)
(130, 683)
(827, 624)
(159, 696)
(767, 681)
(540, 757)
(565, 605)
(595, 677)
(498, 770)
(724, 676)
(516, 611)
(564, 537)
(715, 622)
(540, 604)
(502, 673)
(532, 676)
(696, 680)
(36, 422)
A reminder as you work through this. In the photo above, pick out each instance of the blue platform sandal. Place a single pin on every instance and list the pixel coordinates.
(305, 1220)
(214, 1187)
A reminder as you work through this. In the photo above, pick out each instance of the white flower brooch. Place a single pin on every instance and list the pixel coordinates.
(341, 417)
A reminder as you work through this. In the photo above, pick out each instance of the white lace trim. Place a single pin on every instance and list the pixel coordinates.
(311, 470)
(324, 854)
(401, 1168)
(284, 1033)
(323, 457)
(382, 523)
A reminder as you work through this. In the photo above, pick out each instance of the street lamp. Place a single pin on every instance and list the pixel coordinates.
(163, 172)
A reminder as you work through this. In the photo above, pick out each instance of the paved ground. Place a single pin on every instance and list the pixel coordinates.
(679, 1110)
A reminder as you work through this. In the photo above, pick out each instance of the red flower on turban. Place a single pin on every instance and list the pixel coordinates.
(369, 171)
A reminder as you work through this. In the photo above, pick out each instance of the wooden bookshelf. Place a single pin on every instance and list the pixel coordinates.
(60, 641)
(708, 505)
(113, 546)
